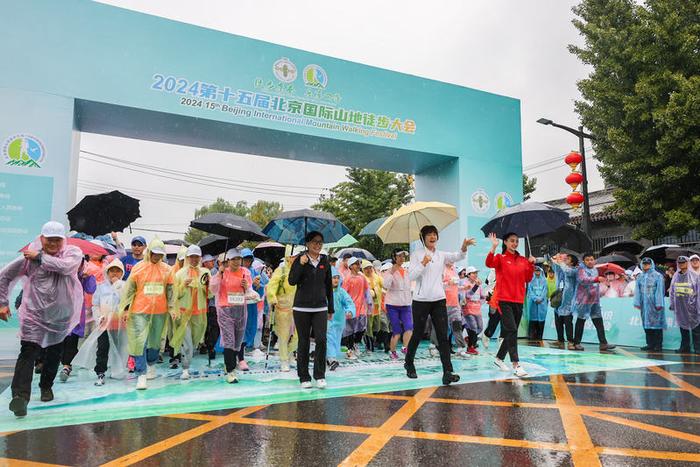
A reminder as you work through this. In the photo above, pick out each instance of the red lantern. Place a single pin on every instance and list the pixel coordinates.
(573, 159)
(574, 179)
(575, 199)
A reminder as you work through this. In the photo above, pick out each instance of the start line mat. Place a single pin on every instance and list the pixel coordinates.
(79, 401)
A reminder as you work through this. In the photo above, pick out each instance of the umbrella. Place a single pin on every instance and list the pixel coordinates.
(176, 242)
(624, 260)
(657, 252)
(528, 219)
(111, 250)
(87, 247)
(236, 229)
(270, 252)
(629, 246)
(404, 225)
(372, 227)
(672, 254)
(356, 252)
(346, 241)
(104, 213)
(215, 244)
(605, 268)
(567, 237)
(291, 227)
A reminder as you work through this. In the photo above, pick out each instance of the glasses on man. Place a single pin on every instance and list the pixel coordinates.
(316, 242)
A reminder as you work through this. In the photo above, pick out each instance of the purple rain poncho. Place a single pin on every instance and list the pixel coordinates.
(683, 299)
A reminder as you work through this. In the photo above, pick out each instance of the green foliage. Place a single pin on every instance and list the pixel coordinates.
(529, 186)
(365, 196)
(642, 103)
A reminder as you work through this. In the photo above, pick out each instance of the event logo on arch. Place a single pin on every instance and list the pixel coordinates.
(503, 200)
(315, 76)
(24, 150)
(285, 70)
(480, 201)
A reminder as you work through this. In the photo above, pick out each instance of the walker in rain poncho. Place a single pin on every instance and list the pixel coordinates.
(147, 293)
(587, 295)
(649, 298)
(190, 304)
(343, 305)
(537, 297)
(683, 299)
(280, 294)
(231, 305)
(568, 276)
(105, 311)
(52, 297)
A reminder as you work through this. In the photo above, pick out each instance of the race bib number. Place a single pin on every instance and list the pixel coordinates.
(153, 289)
(236, 299)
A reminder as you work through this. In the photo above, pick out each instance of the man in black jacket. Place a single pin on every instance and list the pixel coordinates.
(313, 307)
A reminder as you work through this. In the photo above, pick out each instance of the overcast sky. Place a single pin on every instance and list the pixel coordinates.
(514, 48)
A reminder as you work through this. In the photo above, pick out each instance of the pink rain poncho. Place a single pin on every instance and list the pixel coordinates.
(52, 296)
(231, 305)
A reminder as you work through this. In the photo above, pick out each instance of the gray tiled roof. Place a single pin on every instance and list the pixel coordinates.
(600, 200)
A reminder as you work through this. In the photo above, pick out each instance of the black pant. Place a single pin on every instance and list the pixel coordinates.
(211, 336)
(70, 349)
(511, 313)
(230, 359)
(305, 322)
(494, 320)
(563, 323)
(102, 353)
(685, 339)
(655, 338)
(536, 330)
(599, 328)
(472, 338)
(24, 368)
(437, 311)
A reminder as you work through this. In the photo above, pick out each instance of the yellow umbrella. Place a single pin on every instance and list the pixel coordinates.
(404, 225)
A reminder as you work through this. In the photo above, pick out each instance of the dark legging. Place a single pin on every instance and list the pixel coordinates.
(685, 339)
(494, 320)
(24, 368)
(564, 323)
(511, 313)
(536, 330)
(230, 359)
(655, 338)
(472, 337)
(437, 312)
(599, 327)
(70, 349)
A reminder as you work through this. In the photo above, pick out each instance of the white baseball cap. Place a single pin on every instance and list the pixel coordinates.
(53, 229)
(194, 250)
(233, 253)
(471, 269)
(386, 267)
(353, 260)
(206, 258)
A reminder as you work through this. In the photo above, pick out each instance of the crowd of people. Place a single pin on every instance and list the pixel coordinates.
(122, 313)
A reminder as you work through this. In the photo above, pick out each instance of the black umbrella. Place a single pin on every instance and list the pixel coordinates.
(626, 260)
(567, 237)
(215, 244)
(657, 252)
(629, 246)
(236, 229)
(104, 213)
(356, 252)
(176, 242)
(671, 254)
(526, 220)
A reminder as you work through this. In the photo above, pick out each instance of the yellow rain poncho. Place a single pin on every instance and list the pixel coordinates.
(280, 294)
(147, 293)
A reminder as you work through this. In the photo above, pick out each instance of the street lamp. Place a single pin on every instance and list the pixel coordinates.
(586, 217)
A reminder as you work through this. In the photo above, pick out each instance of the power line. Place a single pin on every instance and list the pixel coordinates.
(200, 176)
(550, 161)
(290, 194)
(153, 230)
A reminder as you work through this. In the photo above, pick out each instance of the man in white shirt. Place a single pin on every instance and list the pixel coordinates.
(426, 269)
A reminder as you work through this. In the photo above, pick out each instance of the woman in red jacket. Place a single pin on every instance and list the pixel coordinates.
(513, 272)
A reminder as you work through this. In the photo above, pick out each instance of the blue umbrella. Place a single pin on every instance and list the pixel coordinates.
(291, 227)
(526, 220)
(372, 227)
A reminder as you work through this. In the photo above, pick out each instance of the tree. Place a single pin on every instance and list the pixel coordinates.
(641, 102)
(220, 205)
(365, 196)
(263, 211)
(529, 186)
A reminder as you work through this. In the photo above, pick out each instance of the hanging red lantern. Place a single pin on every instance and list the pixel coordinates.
(574, 179)
(573, 159)
(575, 199)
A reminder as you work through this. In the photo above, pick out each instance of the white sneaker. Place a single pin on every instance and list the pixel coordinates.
(433, 351)
(231, 377)
(151, 372)
(285, 366)
(257, 353)
(306, 385)
(501, 364)
(519, 371)
(351, 355)
(321, 384)
(185, 374)
(142, 382)
(486, 341)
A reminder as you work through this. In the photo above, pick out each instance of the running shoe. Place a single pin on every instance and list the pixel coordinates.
(501, 364)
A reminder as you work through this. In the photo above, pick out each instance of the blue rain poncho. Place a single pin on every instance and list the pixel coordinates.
(537, 296)
(343, 304)
(649, 298)
(566, 276)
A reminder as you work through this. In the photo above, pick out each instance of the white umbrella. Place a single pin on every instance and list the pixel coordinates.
(404, 225)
